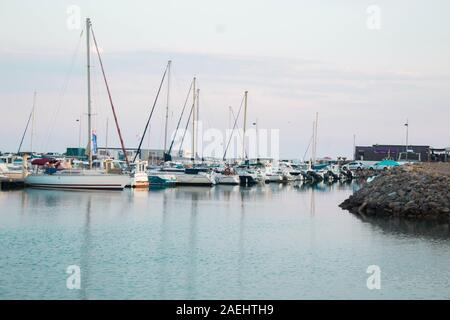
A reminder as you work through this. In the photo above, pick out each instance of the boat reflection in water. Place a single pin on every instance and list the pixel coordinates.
(266, 241)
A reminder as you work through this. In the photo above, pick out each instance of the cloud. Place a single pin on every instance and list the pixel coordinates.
(281, 90)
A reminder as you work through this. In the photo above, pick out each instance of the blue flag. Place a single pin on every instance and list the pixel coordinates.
(94, 142)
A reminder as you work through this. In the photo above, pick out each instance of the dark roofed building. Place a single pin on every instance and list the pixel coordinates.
(378, 152)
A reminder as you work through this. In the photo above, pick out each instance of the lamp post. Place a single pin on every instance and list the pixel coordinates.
(406, 144)
(257, 138)
(354, 147)
(79, 132)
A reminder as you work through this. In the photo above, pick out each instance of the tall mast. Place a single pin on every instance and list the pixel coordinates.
(167, 105)
(198, 113)
(32, 122)
(257, 139)
(193, 121)
(315, 137)
(245, 122)
(88, 59)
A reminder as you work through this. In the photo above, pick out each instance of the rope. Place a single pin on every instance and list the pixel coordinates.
(239, 133)
(150, 116)
(63, 90)
(181, 116)
(110, 98)
(187, 125)
(234, 127)
(26, 128)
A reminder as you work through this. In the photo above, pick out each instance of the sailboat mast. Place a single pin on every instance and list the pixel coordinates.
(193, 120)
(245, 123)
(88, 59)
(198, 114)
(315, 138)
(167, 104)
(32, 122)
(257, 139)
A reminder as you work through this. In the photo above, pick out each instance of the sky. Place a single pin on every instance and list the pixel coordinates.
(366, 67)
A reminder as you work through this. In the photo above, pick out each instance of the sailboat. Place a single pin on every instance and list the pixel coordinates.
(82, 178)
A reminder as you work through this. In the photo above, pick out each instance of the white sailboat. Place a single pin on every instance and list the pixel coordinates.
(81, 179)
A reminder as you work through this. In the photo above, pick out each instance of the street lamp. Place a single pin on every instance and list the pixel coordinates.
(257, 139)
(79, 132)
(406, 144)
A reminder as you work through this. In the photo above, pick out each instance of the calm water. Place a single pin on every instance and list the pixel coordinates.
(264, 242)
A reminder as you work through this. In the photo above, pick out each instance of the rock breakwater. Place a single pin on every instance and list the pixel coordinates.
(419, 191)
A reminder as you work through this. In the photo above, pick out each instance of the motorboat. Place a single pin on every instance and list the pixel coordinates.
(227, 176)
(161, 178)
(139, 177)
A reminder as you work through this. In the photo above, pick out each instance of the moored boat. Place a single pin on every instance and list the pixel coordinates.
(78, 179)
(161, 178)
(54, 174)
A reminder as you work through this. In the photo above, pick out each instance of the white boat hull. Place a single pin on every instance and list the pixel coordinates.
(139, 180)
(11, 174)
(195, 179)
(78, 181)
(227, 179)
(274, 178)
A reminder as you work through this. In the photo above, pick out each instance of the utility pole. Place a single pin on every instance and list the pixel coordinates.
(79, 131)
(354, 147)
(406, 144)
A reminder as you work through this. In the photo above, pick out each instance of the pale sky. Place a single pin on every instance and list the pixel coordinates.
(294, 57)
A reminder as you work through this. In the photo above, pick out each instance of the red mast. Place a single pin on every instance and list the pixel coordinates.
(110, 99)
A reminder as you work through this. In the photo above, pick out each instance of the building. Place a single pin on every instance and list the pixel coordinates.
(151, 155)
(440, 154)
(378, 152)
(79, 153)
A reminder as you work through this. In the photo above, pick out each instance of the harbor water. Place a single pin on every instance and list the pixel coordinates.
(226, 242)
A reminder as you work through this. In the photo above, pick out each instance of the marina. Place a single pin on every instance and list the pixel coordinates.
(197, 153)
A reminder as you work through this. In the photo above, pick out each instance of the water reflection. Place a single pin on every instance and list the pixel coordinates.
(408, 227)
(192, 244)
(163, 249)
(181, 242)
(86, 250)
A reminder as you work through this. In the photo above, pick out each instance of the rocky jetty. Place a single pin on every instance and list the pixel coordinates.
(419, 191)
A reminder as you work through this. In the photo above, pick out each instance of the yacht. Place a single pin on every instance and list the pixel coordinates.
(227, 176)
(52, 175)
